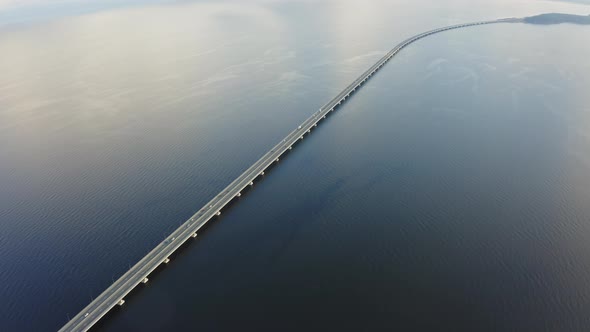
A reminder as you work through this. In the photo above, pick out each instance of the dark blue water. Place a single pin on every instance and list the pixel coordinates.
(451, 193)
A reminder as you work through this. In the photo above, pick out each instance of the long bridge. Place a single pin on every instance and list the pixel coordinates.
(139, 273)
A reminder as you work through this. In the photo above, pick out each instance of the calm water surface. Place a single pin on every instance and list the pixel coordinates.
(451, 193)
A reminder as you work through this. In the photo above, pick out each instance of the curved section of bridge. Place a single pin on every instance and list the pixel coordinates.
(115, 294)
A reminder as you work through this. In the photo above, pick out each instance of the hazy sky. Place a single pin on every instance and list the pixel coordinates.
(19, 11)
(11, 4)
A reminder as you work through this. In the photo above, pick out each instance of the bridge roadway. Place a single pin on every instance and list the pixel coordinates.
(137, 274)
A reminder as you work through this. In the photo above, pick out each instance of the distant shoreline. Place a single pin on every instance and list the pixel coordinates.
(556, 18)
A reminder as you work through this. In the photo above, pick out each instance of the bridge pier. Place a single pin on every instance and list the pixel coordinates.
(290, 148)
(145, 280)
(218, 213)
(121, 302)
(251, 183)
(166, 260)
(277, 160)
(194, 235)
(239, 195)
(262, 173)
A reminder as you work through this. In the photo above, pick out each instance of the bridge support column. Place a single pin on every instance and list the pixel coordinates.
(262, 173)
(290, 148)
(251, 183)
(277, 160)
(167, 260)
(121, 302)
(194, 235)
(218, 213)
(239, 195)
(145, 280)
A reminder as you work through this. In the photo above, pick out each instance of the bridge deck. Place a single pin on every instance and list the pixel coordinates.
(114, 294)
